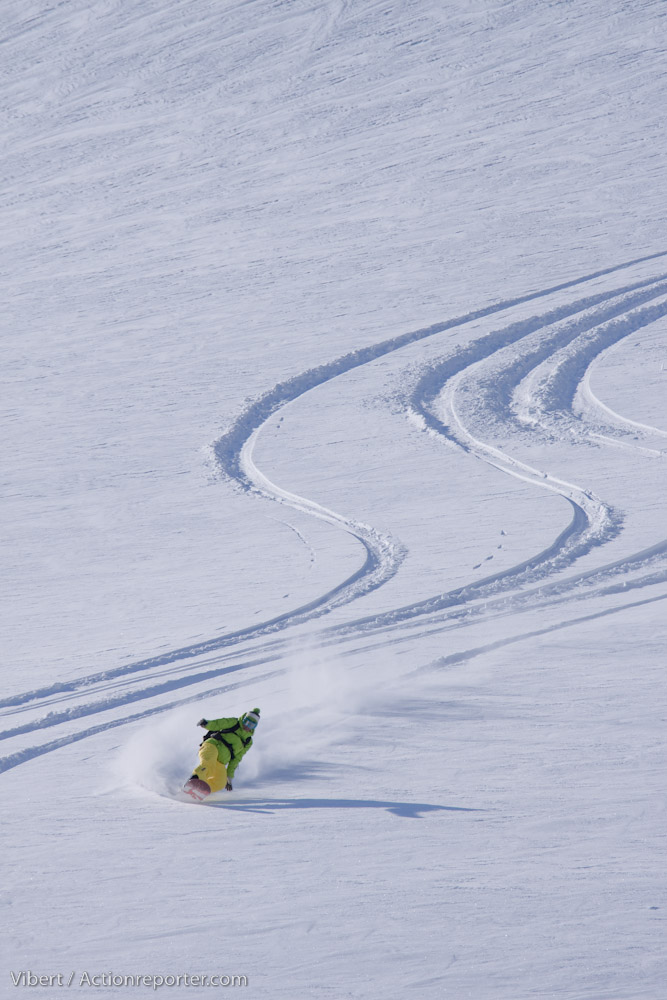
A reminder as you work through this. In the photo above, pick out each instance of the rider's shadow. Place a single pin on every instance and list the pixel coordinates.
(408, 810)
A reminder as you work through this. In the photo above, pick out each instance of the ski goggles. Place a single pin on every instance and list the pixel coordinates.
(249, 724)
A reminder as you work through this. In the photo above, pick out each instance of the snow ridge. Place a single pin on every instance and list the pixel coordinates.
(230, 447)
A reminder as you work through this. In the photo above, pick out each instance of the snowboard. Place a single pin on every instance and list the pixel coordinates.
(196, 789)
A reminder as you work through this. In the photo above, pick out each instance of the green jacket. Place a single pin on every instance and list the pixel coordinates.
(232, 743)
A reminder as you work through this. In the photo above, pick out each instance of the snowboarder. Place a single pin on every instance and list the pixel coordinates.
(220, 752)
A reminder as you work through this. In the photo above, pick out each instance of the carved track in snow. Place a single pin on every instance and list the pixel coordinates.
(593, 408)
(537, 365)
(555, 351)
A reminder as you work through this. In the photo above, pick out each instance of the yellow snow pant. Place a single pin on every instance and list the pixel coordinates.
(210, 769)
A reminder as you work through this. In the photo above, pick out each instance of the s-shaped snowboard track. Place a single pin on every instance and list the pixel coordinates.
(596, 322)
(533, 391)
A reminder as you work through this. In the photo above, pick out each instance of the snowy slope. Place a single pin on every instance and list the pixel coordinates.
(334, 382)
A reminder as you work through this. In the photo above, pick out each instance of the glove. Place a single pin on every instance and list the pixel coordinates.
(203, 723)
(228, 786)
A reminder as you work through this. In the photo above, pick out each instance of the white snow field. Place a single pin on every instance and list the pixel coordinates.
(334, 382)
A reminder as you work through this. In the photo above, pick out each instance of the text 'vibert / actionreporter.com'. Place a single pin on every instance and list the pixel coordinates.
(152, 981)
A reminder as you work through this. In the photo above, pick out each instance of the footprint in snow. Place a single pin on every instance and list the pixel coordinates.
(477, 565)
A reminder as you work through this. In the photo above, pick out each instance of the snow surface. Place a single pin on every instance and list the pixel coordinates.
(334, 382)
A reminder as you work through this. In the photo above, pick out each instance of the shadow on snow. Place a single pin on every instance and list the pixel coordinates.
(409, 810)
